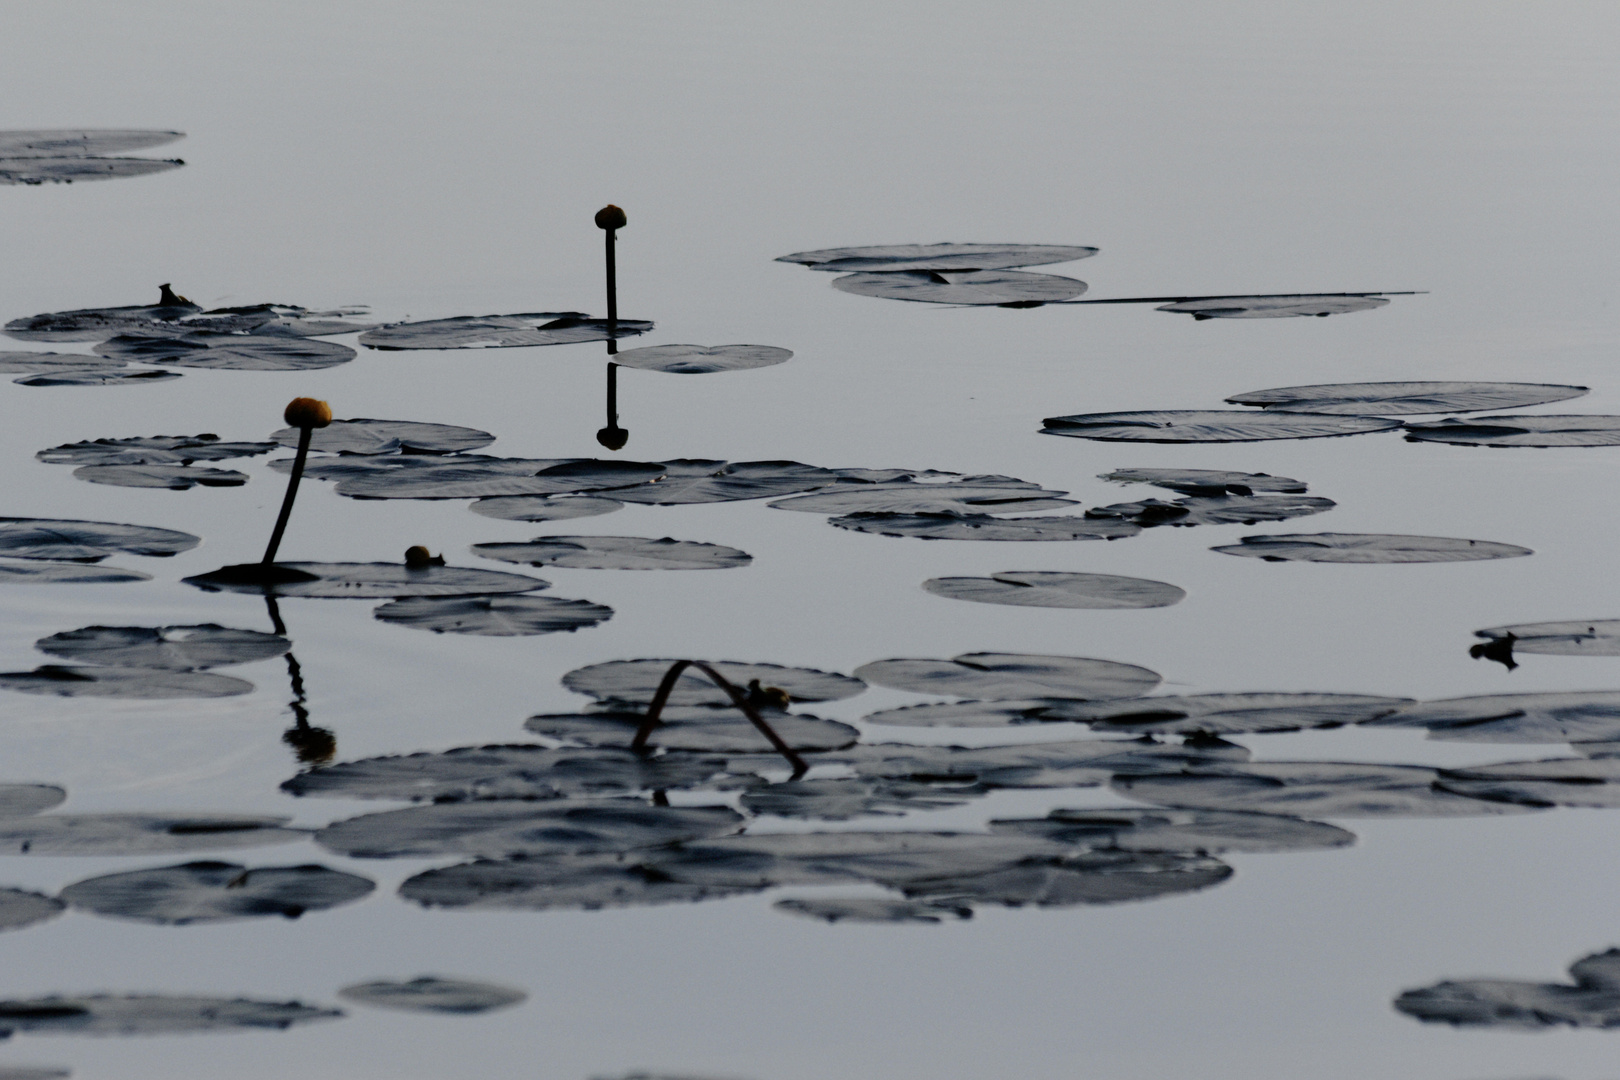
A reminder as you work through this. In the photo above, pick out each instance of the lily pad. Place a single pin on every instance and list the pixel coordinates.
(429, 993)
(1406, 398)
(1574, 637)
(228, 352)
(139, 834)
(937, 256)
(544, 507)
(81, 142)
(971, 714)
(895, 859)
(539, 884)
(1197, 832)
(48, 362)
(67, 170)
(617, 553)
(1226, 714)
(455, 478)
(132, 684)
(868, 909)
(1208, 481)
(1080, 763)
(1370, 548)
(1006, 676)
(19, 909)
(688, 482)
(204, 892)
(151, 450)
(51, 573)
(1213, 510)
(87, 541)
(501, 331)
(363, 435)
(840, 800)
(96, 377)
(20, 800)
(169, 648)
(1591, 716)
(969, 495)
(637, 681)
(1582, 781)
(169, 477)
(1276, 307)
(715, 731)
(985, 527)
(1590, 1000)
(151, 1014)
(1541, 431)
(978, 287)
(1053, 589)
(494, 616)
(1210, 425)
(1094, 877)
(1318, 788)
(702, 359)
(370, 581)
(99, 324)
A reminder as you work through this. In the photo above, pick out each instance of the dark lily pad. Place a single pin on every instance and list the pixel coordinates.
(637, 681)
(1276, 307)
(1094, 877)
(1574, 637)
(895, 859)
(1225, 714)
(1590, 1000)
(1052, 589)
(870, 909)
(985, 527)
(702, 359)
(169, 648)
(1591, 716)
(1008, 676)
(366, 436)
(370, 581)
(150, 1014)
(68, 170)
(963, 714)
(455, 478)
(133, 684)
(228, 352)
(494, 616)
(1193, 832)
(1540, 431)
(1208, 481)
(20, 800)
(429, 993)
(1213, 510)
(1370, 548)
(203, 892)
(87, 541)
(968, 495)
(696, 481)
(11, 362)
(937, 256)
(82, 142)
(501, 331)
(139, 834)
(979, 287)
(617, 553)
(96, 377)
(1210, 425)
(712, 730)
(1582, 781)
(51, 573)
(1081, 763)
(151, 450)
(1318, 788)
(840, 800)
(544, 507)
(590, 882)
(505, 828)
(19, 909)
(1406, 398)
(169, 477)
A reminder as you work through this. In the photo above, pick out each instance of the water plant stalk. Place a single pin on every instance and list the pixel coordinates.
(738, 698)
(306, 414)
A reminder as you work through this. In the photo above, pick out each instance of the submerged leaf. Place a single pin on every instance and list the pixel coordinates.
(99, 324)
(494, 616)
(616, 553)
(963, 714)
(205, 892)
(1540, 431)
(1009, 676)
(87, 541)
(457, 478)
(937, 256)
(429, 993)
(20, 800)
(169, 648)
(1210, 425)
(637, 681)
(135, 684)
(1080, 763)
(840, 800)
(1582, 781)
(501, 331)
(1406, 398)
(702, 359)
(52, 362)
(978, 287)
(968, 495)
(367, 581)
(1095, 877)
(1370, 548)
(151, 1014)
(227, 352)
(985, 527)
(538, 884)
(1053, 589)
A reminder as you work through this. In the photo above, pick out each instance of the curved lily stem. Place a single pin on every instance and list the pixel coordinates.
(304, 435)
(738, 698)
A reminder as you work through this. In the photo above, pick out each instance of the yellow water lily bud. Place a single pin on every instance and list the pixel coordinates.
(417, 557)
(306, 412)
(610, 217)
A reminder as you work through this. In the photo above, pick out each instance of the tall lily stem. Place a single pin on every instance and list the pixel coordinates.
(304, 436)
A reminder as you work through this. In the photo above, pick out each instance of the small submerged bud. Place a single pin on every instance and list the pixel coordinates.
(768, 697)
(169, 298)
(306, 412)
(611, 217)
(417, 557)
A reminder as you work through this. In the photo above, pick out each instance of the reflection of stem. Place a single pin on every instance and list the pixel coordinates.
(613, 392)
(738, 698)
(304, 435)
(313, 745)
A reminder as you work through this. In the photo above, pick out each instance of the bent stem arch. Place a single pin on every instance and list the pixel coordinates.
(738, 698)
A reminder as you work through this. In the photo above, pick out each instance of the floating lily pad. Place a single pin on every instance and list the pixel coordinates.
(963, 714)
(1226, 714)
(501, 331)
(139, 834)
(455, 478)
(1370, 548)
(151, 450)
(1095, 877)
(979, 287)
(617, 553)
(1540, 431)
(96, 377)
(363, 435)
(429, 993)
(1081, 763)
(68, 170)
(19, 909)
(51, 362)
(169, 648)
(637, 681)
(1197, 832)
(169, 477)
(505, 828)
(868, 909)
(1317, 788)
(49, 573)
(1574, 637)
(202, 892)
(1210, 425)
(1052, 589)
(1208, 481)
(1582, 781)
(135, 684)
(687, 481)
(1591, 716)
(539, 884)
(1406, 398)
(228, 352)
(969, 495)
(1591, 1000)
(81, 142)
(937, 256)
(151, 1014)
(985, 527)
(702, 359)
(840, 800)
(494, 616)
(544, 507)
(716, 730)
(1213, 510)
(87, 541)
(99, 324)
(370, 581)
(1276, 307)
(20, 800)
(1007, 676)
(895, 859)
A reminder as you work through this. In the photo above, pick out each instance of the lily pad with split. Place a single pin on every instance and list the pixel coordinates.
(455, 478)
(1208, 481)
(151, 450)
(130, 684)
(1535, 431)
(502, 331)
(51, 573)
(1054, 589)
(1277, 306)
(205, 892)
(68, 170)
(688, 481)
(365, 581)
(494, 616)
(1590, 1000)
(1370, 548)
(702, 359)
(168, 477)
(167, 648)
(840, 800)
(140, 834)
(151, 1014)
(431, 994)
(979, 526)
(544, 507)
(87, 541)
(1210, 426)
(1573, 637)
(1213, 510)
(19, 909)
(96, 377)
(1592, 782)
(990, 676)
(937, 256)
(616, 553)
(1406, 398)
(589, 882)
(1580, 716)
(363, 435)
(1094, 877)
(1225, 714)
(976, 287)
(1192, 832)
(872, 909)
(637, 680)
(968, 495)
(20, 800)
(702, 729)
(228, 352)
(1318, 788)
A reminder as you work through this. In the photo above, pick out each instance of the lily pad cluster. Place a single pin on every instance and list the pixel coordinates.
(155, 461)
(146, 662)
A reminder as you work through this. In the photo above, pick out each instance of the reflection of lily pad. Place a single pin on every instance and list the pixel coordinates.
(1318, 788)
(151, 1014)
(501, 331)
(135, 684)
(20, 800)
(1582, 781)
(689, 481)
(1539, 431)
(1195, 832)
(937, 256)
(637, 680)
(151, 450)
(1591, 1000)
(203, 892)
(1208, 481)
(702, 359)
(19, 909)
(494, 616)
(170, 648)
(1590, 716)
(228, 352)
(1052, 589)
(1406, 398)
(969, 495)
(366, 436)
(544, 507)
(840, 800)
(617, 553)
(1213, 510)
(168, 477)
(985, 527)
(1007, 676)
(371, 581)
(431, 994)
(1275, 307)
(1574, 637)
(724, 731)
(1226, 714)
(87, 541)
(53, 573)
(980, 287)
(1210, 425)
(139, 834)
(1370, 548)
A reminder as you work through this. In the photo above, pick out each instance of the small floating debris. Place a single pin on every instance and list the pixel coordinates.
(973, 287)
(1370, 548)
(868, 909)
(1319, 788)
(979, 526)
(1210, 425)
(937, 256)
(87, 541)
(430, 993)
(139, 834)
(166, 648)
(636, 681)
(151, 1014)
(702, 359)
(990, 676)
(1590, 1000)
(616, 553)
(1054, 589)
(502, 331)
(1208, 481)
(207, 892)
(1406, 398)
(1535, 431)
(19, 909)
(494, 616)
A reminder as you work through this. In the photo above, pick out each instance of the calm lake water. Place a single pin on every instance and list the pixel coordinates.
(429, 160)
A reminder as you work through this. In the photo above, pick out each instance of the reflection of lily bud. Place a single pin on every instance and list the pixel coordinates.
(1498, 649)
(768, 697)
(613, 438)
(306, 412)
(417, 557)
(312, 745)
(610, 217)
(170, 298)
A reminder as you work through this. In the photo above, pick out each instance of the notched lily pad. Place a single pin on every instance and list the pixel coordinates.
(702, 359)
(429, 993)
(1370, 548)
(637, 680)
(1011, 676)
(169, 477)
(616, 553)
(133, 684)
(369, 581)
(139, 834)
(150, 1014)
(151, 450)
(687, 481)
(87, 541)
(1318, 788)
(1213, 510)
(1406, 398)
(937, 256)
(1193, 832)
(1541, 431)
(840, 800)
(51, 573)
(1574, 637)
(1590, 1000)
(544, 507)
(1053, 589)
(977, 287)
(1210, 425)
(228, 352)
(985, 527)
(494, 616)
(501, 331)
(870, 909)
(363, 435)
(169, 648)
(19, 909)
(1225, 714)
(1208, 481)
(706, 730)
(204, 892)
(1590, 716)
(1276, 307)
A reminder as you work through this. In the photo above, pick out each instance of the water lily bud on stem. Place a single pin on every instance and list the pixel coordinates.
(305, 412)
(611, 217)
